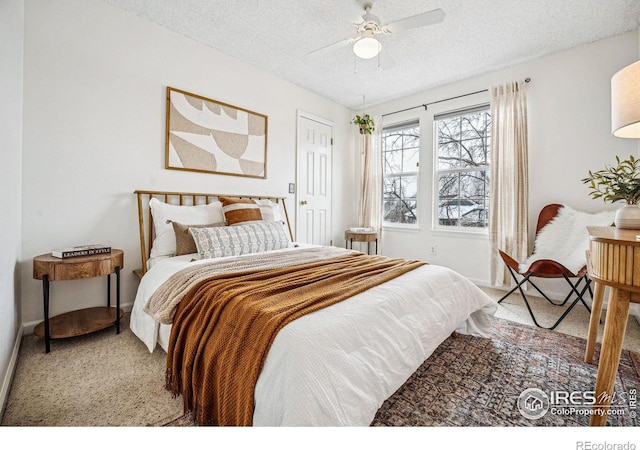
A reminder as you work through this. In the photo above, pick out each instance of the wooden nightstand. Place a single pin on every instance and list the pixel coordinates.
(361, 236)
(83, 321)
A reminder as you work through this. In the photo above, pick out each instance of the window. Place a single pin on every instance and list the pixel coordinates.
(463, 142)
(400, 156)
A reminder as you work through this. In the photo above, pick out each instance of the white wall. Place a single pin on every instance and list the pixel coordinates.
(11, 42)
(94, 120)
(569, 134)
(94, 112)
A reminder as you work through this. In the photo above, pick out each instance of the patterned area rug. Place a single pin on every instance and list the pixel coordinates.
(471, 381)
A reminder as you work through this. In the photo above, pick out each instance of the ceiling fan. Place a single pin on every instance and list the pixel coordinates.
(365, 43)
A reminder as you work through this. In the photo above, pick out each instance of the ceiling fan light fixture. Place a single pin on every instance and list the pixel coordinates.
(367, 47)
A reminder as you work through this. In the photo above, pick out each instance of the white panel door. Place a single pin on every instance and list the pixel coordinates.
(314, 181)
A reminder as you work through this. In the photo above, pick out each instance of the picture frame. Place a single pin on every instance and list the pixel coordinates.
(206, 135)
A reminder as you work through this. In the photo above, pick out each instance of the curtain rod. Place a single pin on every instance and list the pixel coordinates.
(425, 105)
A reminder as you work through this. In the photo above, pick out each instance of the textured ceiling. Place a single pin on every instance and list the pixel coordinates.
(476, 36)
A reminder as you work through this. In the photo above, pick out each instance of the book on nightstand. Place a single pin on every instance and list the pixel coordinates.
(361, 229)
(82, 250)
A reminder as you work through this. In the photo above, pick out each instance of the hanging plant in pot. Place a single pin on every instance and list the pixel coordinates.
(365, 123)
(619, 183)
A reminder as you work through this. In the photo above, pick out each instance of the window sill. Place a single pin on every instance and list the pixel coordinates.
(401, 228)
(480, 234)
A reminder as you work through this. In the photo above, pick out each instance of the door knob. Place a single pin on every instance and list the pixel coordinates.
(303, 202)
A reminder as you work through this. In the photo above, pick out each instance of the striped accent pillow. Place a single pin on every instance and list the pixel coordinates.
(216, 242)
(240, 211)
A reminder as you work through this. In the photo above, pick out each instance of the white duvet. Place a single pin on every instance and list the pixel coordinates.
(336, 366)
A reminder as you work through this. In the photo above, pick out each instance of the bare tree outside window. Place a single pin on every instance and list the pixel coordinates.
(462, 168)
(401, 155)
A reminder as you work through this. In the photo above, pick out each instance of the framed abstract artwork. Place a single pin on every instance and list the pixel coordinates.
(205, 135)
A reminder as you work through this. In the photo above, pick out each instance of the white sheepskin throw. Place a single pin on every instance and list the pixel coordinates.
(565, 238)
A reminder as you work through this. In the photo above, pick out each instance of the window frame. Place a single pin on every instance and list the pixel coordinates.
(486, 168)
(412, 123)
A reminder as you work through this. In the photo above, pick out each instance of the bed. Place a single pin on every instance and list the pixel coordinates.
(333, 366)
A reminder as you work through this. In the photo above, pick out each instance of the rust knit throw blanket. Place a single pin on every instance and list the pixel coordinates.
(223, 328)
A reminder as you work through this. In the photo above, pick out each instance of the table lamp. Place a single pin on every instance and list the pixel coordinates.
(625, 102)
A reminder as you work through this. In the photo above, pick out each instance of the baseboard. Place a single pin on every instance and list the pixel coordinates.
(8, 376)
(482, 283)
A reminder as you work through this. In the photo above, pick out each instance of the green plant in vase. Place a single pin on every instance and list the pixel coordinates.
(619, 183)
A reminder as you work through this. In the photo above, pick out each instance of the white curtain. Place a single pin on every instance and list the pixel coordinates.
(509, 205)
(370, 213)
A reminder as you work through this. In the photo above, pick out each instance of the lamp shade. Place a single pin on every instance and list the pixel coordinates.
(625, 102)
(367, 47)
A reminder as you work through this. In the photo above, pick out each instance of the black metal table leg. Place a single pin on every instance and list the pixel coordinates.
(45, 292)
(118, 300)
(117, 297)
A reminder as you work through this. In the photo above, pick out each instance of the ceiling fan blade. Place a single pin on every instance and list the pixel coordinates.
(419, 20)
(335, 45)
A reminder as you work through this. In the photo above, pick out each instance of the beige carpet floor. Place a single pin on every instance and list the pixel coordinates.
(101, 379)
(104, 379)
(575, 324)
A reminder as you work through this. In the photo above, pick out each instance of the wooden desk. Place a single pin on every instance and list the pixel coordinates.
(614, 261)
(75, 323)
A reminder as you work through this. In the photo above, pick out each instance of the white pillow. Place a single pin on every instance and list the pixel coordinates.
(216, 242)
(164, 243)
(270, 210)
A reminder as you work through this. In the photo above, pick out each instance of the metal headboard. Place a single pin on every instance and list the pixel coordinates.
(145, 219)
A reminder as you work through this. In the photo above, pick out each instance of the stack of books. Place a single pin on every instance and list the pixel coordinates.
(361, 229)
(83, 250)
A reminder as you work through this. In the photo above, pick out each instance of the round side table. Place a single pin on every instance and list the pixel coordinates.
(82, 321)
(361, 236)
